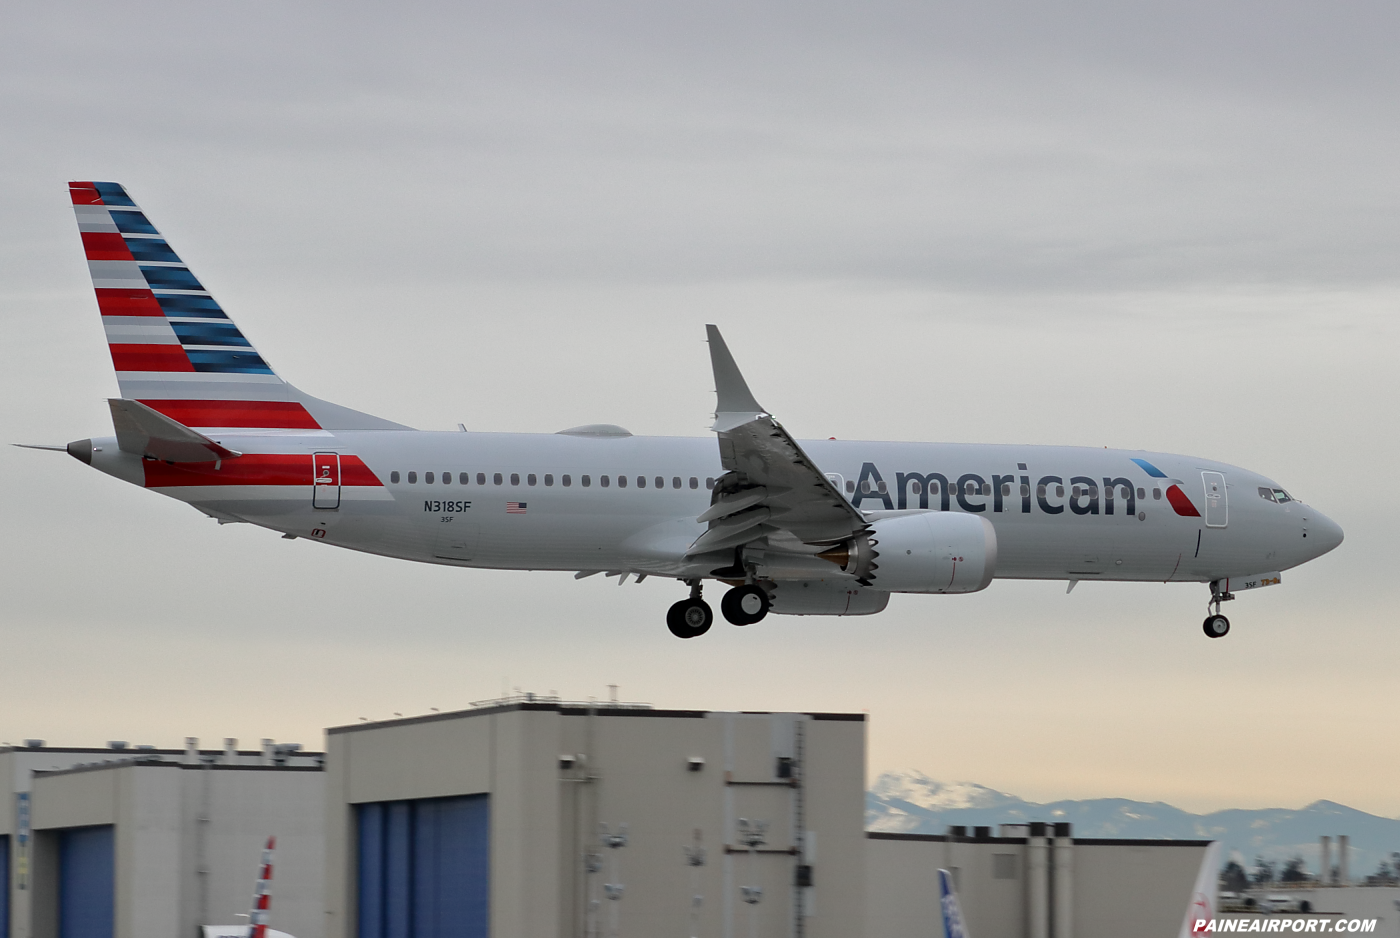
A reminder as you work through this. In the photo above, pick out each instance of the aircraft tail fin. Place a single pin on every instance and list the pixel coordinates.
(173, 346)
(1200, 910)
(953, 925)
(262, 894)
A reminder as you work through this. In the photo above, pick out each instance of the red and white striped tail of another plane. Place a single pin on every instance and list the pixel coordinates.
(262, 901)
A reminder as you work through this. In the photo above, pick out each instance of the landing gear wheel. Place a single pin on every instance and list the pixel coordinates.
(745, 605)
(1216, 626)
(690, 618)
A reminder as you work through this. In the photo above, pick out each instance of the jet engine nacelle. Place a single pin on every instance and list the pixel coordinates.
(923, 552)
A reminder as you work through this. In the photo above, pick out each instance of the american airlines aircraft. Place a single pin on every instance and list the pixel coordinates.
(811, 527)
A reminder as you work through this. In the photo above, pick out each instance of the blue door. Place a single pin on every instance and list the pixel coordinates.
(424, 868)
(4, 887)
(86, 865)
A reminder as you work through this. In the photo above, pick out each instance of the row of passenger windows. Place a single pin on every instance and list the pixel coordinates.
(497, 478)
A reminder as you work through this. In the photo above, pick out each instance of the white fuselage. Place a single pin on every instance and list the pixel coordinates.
(1043, 531)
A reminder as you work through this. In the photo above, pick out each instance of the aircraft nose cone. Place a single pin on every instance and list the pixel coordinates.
(1324, 534)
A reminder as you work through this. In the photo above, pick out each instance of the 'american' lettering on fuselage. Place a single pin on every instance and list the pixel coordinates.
(971, 490)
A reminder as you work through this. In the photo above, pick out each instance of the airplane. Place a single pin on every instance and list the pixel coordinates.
(791, 527)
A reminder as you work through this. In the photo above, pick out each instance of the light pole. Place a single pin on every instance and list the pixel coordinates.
(753, 834)
(613, 890)
(695, 858)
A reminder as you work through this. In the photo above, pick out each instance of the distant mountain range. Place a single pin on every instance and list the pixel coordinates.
(913, 803)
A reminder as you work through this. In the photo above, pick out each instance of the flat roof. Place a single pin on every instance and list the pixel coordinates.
(1077, 841)
(146, 763)
(602, 709)
(133, 751)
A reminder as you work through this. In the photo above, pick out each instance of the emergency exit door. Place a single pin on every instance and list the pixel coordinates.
(1217, 504)
(325, 489)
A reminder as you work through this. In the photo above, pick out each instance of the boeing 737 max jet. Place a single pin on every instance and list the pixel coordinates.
(812, 527)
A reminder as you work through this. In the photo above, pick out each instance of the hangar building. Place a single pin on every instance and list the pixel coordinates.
(123, 843)
(523, 800)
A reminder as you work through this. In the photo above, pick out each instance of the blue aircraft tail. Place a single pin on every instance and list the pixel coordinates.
(953, 926)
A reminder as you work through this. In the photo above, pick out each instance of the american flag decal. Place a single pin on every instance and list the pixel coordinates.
(515, 508)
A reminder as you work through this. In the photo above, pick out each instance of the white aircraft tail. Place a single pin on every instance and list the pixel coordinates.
(1200, 911)
(953, 925)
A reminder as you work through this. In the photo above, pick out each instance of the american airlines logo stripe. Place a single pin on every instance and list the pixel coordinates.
(254, 469)
(279, 415)
(130, 357)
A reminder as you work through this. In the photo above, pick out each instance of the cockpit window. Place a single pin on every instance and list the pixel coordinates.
(1266, 494)
(1282, 496)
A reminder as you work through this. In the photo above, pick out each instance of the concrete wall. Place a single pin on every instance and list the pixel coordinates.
(902, 894)
(632, 766)
(1140, 884)
(175, 871)
(1114, 888)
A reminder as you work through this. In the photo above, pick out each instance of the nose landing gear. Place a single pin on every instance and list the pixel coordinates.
(1216, 625)
(692, 617)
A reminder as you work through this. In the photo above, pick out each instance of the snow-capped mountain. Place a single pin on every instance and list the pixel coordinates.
(911, 802)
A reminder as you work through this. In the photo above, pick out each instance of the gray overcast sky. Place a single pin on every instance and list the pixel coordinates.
(1166, 226)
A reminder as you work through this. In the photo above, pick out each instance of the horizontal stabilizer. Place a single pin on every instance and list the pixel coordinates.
(147, 432)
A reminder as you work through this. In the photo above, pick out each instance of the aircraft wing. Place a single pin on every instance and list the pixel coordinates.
(147, 432)
(771, 487)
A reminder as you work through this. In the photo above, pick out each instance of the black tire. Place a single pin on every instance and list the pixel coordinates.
(745, 605)
(1216, 626)
(690, 618)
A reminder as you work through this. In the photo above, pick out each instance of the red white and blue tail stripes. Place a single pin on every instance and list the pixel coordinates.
(173, 346)
(262, 894)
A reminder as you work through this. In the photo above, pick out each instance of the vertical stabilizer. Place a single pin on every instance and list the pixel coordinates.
(262, 894)
(953, 925)
(1200, 910)
(173, 346)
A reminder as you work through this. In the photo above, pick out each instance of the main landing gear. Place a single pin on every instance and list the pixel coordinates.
(1216, 625)
(692, 617)
(745, 605)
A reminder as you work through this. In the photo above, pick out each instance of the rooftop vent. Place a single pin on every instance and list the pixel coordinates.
(34, 744)
(116, 744)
